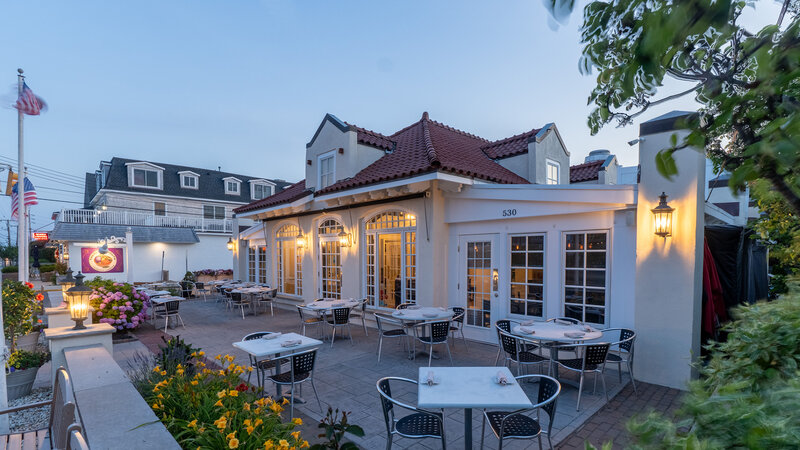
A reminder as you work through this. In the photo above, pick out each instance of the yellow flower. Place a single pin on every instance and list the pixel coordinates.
(192, 424)
(268, 445)
(201, 430)
(250, 430)
(246, 422)
(163, 373)
(285, 401)
(258, 422)
(156, 406)
(283, 444)
(297, 421)
(233, 443)
(219, 403)
(276, 407)
(155, 389)
(202, 353)
(179, 371)
(222, 373)
(180, 366)
(221, 394)
(229, 358)
(233, 393)
(194, 383)
(156, 369)
(221, 423)
(201, 364)
(218, 357)
(231, 367)
(160, 396)
(231, 435)
(296, 435)
(246, 406)
(304, 444)
(194, 353)
(250, 369)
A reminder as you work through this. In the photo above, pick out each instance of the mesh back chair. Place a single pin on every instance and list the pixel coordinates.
(266, 298)
(340, 317)
(238, 301)
(187, 287)
(555, 346)
(405, 305)
(457, 325)
(438, 332)
(361, 311)
(418, 425)
(200, 288)
(381, 320)
(513, 348)
(516, 425)
(593, 360)
(501, 325)
(302, 365)
(309, 317)
(171, 310)
(622, 352)
(261, 366)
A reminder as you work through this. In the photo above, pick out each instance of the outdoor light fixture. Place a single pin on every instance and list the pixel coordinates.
(663, 217)
(230, 244)
(79, 302)
(300, 240)
(344, 239)
(66, 284)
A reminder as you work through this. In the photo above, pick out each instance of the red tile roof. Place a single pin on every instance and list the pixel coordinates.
(585, 172)
(372, 138)
(288, 195)
(429, 146)
(511, 146)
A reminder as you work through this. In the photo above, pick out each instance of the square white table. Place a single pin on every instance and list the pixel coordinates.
(469, 387)
(272, 348)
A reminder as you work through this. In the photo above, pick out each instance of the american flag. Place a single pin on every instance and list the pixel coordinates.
(28, 103)
(30, 197)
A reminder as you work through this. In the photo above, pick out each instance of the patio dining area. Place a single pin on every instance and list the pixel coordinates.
(346, 373)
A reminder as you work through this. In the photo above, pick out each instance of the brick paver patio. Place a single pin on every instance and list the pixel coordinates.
(346, 374)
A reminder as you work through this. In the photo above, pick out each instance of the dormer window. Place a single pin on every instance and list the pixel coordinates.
(189, 179)
(326, 170)
(553, 169)
(261, 189)
(145, 175)
(232, 185)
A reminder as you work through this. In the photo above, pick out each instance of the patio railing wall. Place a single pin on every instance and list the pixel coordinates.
(200, 224)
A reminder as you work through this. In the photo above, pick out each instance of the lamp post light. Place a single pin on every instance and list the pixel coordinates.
(67, 283)
(662, 215)
(79, 302)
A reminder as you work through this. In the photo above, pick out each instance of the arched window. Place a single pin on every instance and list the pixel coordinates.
(391, 259)
(330, 259)
(289, 258)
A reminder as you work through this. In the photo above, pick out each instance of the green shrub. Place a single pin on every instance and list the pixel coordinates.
(23, 359)
(9, 269)
(174, 353)
(20, 304)
(47, 268)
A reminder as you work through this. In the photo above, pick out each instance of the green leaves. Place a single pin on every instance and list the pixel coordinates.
(665, 163)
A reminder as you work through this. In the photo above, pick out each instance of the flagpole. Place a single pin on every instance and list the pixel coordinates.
(22, 233)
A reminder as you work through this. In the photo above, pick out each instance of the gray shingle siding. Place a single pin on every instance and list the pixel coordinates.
(210, 184)
(86, 232)
(89, 190)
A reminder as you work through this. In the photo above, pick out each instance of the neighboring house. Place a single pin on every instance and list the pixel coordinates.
(186, 209)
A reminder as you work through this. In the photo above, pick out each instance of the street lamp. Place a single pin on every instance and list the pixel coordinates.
(79, 302)
(662, 215)
(66, 284)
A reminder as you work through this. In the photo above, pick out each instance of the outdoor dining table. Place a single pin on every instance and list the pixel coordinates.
(468, 388)
(165, 299)
(417, 314)
(154, 293)
(325, 305)
(557, 332)
(252, 292)
(273, 348)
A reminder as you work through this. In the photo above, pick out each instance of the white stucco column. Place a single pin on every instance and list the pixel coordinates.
(668, 270)
(129, 254)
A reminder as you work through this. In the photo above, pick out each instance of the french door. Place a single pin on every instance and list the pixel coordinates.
(478, 284)
(330, 276)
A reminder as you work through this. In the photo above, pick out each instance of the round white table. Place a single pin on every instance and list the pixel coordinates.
(555, 332)
(422, 314)
(323, 305)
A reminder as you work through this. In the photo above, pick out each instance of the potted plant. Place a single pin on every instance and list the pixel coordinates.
(118, 304)
(21, 370)
(20, 304)
(186, 284)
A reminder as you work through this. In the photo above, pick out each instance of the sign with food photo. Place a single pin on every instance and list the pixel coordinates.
(92, 261)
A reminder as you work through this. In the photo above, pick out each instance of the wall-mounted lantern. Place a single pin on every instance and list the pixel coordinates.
(79, 302)
(231, 245)
(300, 240)
(662, 215)
(344, 239)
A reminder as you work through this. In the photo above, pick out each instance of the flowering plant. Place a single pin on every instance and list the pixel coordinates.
(213, 272)
(20, 304)
(213, 409)
(23, 359)
(118, 304)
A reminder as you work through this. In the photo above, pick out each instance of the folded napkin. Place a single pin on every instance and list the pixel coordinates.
(291, 343)
(563, 322)
(271, 336)
(527, 330)
(430, 379)
(501, 378)
(588, 329)
(527, 323)
(574, 334)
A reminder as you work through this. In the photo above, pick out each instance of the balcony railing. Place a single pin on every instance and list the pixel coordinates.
(200, 224)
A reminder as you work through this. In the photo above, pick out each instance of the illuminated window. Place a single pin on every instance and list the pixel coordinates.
(553, 169)
(289, 258)
(585, 276)
(391, 259)
(527, 275)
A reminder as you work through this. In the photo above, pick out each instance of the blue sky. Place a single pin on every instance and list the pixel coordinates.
(244, 84)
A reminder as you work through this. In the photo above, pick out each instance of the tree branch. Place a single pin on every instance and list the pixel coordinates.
(782, 188)
(783, 11)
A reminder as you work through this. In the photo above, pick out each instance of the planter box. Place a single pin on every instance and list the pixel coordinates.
(20, 382)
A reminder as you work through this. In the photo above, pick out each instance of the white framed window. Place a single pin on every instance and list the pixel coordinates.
(189, 179)
(330, 255)
(326, 169)
(289, 258)
(553, 171)
(527, 275)
(145, 175)
(391, 259)
(586, 276)
(233, 186)
(213, 212)
(262, 264)
(159, 208)
(251, 264)
(260, 190)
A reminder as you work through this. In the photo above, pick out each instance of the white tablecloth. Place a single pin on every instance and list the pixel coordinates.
(424, 313)
(332, 304)
(551, 331)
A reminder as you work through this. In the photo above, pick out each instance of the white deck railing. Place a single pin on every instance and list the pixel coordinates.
(144, 219)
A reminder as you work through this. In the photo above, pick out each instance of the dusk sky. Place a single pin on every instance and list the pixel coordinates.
(243, 85)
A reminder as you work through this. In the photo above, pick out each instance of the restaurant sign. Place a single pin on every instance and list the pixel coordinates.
(39, 236)
(92, 261)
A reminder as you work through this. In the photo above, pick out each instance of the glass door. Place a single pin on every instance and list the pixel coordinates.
(330, 268)
(389, 269)
(478, 284)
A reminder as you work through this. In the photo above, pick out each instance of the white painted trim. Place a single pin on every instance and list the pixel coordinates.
(261, 182)
(186, 175)
(549, 162)
(188, 172)
(331, 154)
(231, 178)
(234, 180)
(144, 163)
(159, 177)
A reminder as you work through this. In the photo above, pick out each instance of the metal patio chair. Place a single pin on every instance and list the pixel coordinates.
(517, 425)
(360, 311)
(457, 324)
(302, 370)
(339, 318)
(405, 305)
(309, 317)
(381, 320)
(515, 352)
(171, 309)
(592, 360)
(238, 301)
(267, 298)
(200, 288)
(438, 333)
(502, 325)
(262, 366)
(418, 425)
(621, 352)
